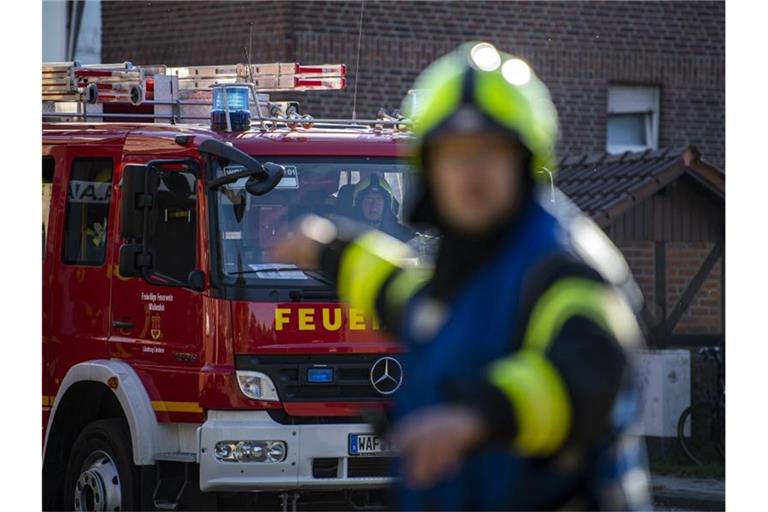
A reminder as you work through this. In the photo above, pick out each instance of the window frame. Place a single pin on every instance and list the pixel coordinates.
(192, 218)
(629, 99)
(65, 222)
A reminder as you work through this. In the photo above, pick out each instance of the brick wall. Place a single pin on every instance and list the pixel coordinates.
(578, 48)
(683, 260)
(640, 257)
(193, 33)
(703, 314)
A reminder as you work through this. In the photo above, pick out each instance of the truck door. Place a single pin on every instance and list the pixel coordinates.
(53, 209)
(158, 328)
(76, 266)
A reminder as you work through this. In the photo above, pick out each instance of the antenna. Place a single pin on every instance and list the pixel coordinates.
(250, 52)
(254, 91)
(357, 64)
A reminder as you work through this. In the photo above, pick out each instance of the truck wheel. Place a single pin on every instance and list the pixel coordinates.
(100, 474)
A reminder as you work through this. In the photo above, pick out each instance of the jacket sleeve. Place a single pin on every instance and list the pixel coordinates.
(559, 384)
(372, 271)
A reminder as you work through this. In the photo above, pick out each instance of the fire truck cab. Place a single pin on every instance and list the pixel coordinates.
(182, 366)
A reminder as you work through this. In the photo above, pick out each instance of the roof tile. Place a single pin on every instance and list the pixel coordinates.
(677, 150)
(658, 153)
(613, 158)
(595, 158)
(600, 182)
(571, 160)
(636, 156)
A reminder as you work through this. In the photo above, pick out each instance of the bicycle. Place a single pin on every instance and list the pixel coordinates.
(705, 420)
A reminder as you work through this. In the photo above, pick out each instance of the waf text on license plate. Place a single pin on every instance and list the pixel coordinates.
(369, 444)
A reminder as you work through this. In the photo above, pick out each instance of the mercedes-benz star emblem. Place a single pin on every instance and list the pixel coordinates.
(386, 375)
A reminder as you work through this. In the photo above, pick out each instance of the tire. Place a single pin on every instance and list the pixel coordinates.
(100, 473)
(703, 443)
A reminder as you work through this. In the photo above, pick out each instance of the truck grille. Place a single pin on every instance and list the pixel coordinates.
(368, 467)
(357, 467)
(351, 376)
(325, 467)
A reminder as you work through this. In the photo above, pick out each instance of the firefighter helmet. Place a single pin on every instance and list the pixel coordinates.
(373, 183)
(477, 87)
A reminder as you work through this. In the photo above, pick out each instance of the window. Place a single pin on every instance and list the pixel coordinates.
(633, 118)
(173, 226)
(48, 167)
(85, 227)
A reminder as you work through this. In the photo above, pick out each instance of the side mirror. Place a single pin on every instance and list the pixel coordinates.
(196, 280)
(132, 260)
(133, 197)
(261, 185)
(228, 152)
(261, 177)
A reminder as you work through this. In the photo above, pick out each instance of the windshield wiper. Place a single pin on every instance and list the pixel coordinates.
(314, 274)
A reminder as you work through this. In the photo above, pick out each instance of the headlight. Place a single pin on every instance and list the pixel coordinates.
(247, 451)
(257, 386)
(276, 452)
(223, 451)
(251, 451)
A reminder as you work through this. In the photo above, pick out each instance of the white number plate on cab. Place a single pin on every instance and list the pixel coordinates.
(369, 444)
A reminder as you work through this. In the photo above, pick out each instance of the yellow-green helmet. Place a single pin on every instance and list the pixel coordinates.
(501, 88)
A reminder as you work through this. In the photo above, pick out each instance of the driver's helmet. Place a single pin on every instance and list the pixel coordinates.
(374, 183)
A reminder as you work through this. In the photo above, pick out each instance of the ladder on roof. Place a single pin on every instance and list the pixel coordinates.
(162, 93)
(126, 82)
(283, 76)
(68, 81)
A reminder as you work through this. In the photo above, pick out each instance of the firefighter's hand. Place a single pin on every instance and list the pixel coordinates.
(298, 249)
(433, 442)
(304, 245)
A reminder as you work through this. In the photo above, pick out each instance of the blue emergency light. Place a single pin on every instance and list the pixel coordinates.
(234, 99)
(319, 375)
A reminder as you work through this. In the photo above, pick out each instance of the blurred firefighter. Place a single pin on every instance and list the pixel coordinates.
(518, 389)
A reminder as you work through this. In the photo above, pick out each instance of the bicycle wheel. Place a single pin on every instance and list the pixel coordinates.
(698, 432)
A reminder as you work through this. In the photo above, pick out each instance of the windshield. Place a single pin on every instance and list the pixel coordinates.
(374, 191)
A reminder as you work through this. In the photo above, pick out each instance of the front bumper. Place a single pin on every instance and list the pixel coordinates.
(305, 443)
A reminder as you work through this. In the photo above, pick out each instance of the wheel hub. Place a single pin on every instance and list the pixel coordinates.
(98, 486)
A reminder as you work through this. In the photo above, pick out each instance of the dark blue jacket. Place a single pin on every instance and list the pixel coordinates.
(535, 340)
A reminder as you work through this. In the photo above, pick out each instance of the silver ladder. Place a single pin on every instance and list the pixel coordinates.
(72, 91)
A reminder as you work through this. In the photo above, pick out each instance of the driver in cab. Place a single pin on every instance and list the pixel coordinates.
(374, 204)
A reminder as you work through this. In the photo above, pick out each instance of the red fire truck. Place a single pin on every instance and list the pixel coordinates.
(182, 366)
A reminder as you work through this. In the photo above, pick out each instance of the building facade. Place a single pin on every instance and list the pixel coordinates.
(624, 75)
(665, 210)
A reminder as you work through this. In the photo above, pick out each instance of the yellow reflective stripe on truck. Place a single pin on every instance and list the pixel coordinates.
(163, 406)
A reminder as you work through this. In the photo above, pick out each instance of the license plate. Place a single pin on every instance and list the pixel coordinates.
(369, 444)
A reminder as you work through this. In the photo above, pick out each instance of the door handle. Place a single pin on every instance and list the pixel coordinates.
(119, 324)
